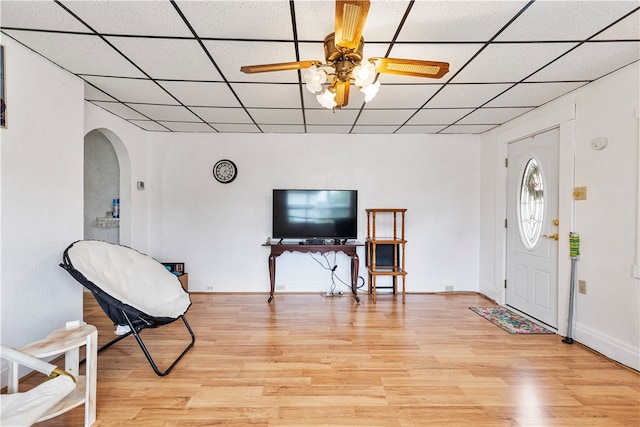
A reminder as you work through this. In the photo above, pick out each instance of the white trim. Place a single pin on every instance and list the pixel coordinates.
(611, 347)
(636, 267)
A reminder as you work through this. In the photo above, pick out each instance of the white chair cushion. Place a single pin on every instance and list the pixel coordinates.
(24, 409)
(131, 277)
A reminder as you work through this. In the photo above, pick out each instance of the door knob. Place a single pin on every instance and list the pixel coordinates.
(553, 236)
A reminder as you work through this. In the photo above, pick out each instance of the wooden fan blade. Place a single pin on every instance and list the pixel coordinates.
(351, 16)
(342, 94)
(411, 67)
(282, 66)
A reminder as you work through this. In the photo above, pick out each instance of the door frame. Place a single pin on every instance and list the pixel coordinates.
(562, 118)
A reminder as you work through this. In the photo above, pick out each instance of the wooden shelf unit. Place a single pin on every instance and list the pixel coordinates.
(396, 240)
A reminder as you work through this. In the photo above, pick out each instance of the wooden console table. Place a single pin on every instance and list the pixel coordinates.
(348, 249)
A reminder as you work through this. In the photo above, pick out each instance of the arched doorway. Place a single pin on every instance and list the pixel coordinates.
(107, 176)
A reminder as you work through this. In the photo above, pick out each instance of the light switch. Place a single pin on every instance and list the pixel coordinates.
(580, 193)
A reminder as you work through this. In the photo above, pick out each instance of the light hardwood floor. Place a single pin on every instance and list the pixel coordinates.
(306, 360)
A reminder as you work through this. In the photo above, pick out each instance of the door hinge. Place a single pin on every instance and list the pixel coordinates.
(505, 223)
(505, 283)
(506, 163)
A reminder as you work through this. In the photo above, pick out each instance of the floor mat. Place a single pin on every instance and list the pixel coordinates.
(510, 321)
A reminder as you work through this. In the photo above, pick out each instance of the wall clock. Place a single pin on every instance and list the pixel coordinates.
(225, 171)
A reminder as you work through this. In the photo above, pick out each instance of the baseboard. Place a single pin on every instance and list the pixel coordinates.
(608, 346)
(490, 291)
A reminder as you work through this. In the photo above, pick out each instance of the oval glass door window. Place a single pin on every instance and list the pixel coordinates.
(531, 203)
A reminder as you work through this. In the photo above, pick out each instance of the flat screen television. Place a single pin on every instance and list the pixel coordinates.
(315, 214)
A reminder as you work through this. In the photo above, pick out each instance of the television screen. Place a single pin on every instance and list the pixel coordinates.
(319, 214)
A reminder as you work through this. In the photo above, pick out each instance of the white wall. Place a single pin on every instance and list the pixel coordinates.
(607, 318)
(42, 197)
(217, 229)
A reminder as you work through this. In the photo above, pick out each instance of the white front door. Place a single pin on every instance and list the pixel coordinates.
(532, 226)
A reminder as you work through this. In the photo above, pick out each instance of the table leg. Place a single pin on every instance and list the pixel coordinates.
(355, 265)
(272, 276)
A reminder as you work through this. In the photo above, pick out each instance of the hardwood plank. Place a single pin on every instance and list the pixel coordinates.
(304, 360)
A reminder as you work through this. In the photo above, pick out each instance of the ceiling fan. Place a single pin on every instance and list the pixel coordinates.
(343, 54)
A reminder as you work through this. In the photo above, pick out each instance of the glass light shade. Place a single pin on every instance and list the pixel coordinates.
(370, 91)
(327, 99)
(364, 75)
(314, 79)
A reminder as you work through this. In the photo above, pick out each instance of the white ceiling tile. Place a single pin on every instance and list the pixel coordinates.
(165, 112)
(276, 115)
(627, 29)
(201, 93)
(187, 126)
(457, 20)
(239, 19)
(152, 18)
(403, 96)
(222, 115)
(468, 129)
(310, 52)
(493, 116)
(79, 54)
(383, 117)
(590, 61)
(93, 94)
(268, 95)
(420, 129)
(230, 56)
(383, 19)
(131, 90)
(120, 110)
(466, 95)
(510, 62)
(236, 128)
(329, 117)
(556, 20)
(533, 94)
(149, 125)
(168, 58)
(315, 19)
(438, 116)
(45, 15)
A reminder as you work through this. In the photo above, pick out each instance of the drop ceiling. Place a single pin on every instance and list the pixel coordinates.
(174, 66)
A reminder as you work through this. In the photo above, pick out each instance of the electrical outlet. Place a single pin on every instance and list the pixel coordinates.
(279, 287)
(209, 288)
(582, 286)
(448, 288)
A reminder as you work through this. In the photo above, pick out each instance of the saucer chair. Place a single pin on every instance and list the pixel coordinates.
(134, 290)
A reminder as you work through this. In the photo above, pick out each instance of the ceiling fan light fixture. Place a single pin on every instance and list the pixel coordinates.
(314, 78)
(370, 91)
(364, 75)
(327, 99)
